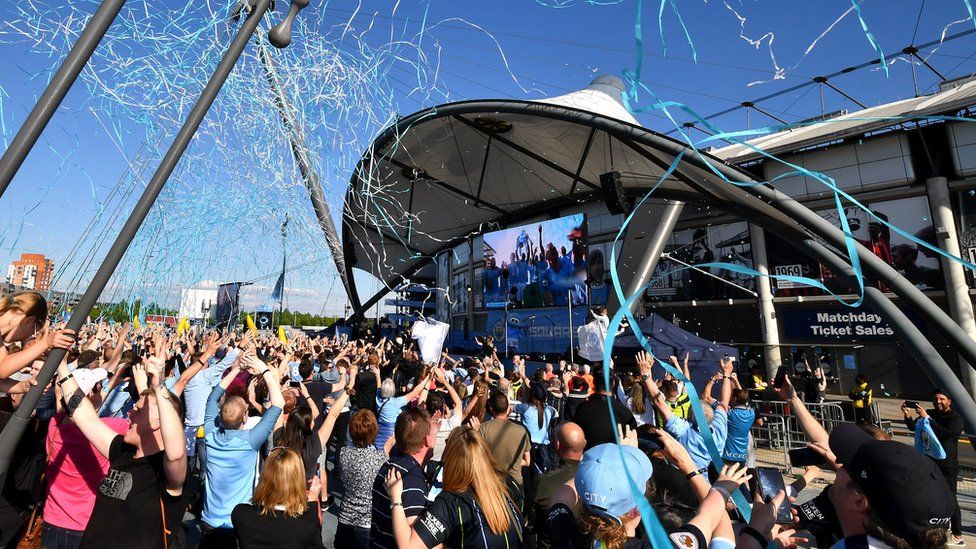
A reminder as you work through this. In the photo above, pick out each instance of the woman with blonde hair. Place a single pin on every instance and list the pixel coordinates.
(22, 316)
(279, 514)
(475, 506)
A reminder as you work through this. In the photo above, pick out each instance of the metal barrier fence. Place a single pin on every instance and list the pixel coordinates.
(781, 431)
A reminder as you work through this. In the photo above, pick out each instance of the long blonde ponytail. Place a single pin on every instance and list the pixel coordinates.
(470, 467)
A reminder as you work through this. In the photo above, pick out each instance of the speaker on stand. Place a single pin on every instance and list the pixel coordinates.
(613, 193)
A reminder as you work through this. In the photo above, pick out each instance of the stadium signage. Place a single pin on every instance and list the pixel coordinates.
(841, 326)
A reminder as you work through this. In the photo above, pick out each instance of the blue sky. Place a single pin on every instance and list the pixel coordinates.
(503, 48)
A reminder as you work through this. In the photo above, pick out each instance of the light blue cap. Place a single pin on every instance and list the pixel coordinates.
(602, 484)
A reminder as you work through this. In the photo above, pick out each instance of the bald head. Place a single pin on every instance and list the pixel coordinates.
(570, 441)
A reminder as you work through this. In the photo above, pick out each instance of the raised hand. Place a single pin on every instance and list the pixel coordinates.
(627, 436)
(734, 472)
(56, 339)
(644, 362)
(394, 485)
(786, 391)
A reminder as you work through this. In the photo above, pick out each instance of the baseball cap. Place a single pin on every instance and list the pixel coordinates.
(602, 484)
(87, 379)
(578, 387)
(905, 489)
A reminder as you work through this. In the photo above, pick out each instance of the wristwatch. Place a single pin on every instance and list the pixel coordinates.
(645, 377)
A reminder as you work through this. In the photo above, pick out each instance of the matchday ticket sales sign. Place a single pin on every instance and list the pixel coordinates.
(819, 325)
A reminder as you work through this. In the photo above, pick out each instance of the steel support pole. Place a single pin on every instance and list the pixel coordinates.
(957, 289)
(877, 269)
(18, 422)
(917, 344)
(56, 89)
(300, 151)
(770, 329)
(655, 247)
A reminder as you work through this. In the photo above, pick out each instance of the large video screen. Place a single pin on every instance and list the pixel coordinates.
(538, 265)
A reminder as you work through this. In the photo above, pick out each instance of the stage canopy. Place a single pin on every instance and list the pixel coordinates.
(441, 175)
(666, 339)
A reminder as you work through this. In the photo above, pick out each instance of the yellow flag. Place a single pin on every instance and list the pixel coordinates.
(250, 324)
(281, 335)
(135, 323)
(181, 326)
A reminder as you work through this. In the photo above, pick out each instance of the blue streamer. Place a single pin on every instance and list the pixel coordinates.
(870, 36)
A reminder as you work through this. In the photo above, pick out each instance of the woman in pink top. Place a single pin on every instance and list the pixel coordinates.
(74, 470)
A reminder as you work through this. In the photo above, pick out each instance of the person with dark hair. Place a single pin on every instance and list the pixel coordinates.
(509, 441)
(538, 417)
(298, 431)
(814, 385)
(594, 418)
(862, 396)
(947, 425)
(447, 415)
(414, 434)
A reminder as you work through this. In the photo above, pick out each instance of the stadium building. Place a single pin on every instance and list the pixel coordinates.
(511, 208)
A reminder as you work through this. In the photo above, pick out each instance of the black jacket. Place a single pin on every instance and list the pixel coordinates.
(947, 426)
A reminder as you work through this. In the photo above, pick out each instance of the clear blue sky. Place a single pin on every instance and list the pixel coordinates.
(547, 51)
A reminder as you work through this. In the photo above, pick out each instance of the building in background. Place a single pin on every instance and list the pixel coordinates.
(535, 168)
(32, 271)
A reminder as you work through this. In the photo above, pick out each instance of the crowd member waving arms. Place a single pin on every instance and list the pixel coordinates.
(147, 466)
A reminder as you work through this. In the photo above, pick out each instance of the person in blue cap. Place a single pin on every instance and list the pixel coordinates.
(610, 516)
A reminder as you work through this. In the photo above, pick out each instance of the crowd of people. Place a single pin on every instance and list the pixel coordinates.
(163, 438)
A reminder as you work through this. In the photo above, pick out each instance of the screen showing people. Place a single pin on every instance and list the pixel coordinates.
(538, 265)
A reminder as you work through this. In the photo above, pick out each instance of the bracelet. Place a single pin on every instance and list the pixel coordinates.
(754, 534)
(395, 504)
(693, 474)
(66, 378)
(724, 493)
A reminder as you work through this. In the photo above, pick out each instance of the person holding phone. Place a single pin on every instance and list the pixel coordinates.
(947, 426)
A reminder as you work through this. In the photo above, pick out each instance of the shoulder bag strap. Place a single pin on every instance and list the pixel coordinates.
(162, 513)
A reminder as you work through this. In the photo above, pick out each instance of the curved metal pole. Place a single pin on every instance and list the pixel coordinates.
(917, 344)
(302, 158)
(873, 265)
(877, 269)
(18, 422)
(56, 89)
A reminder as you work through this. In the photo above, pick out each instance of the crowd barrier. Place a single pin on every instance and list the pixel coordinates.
(781, 433)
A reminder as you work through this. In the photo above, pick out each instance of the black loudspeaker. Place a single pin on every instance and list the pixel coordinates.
(613, 193)
(263, 320)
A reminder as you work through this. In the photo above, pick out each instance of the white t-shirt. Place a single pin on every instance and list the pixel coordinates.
(443, 431)
(647, 418)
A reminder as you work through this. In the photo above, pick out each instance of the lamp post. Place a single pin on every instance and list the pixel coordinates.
(18, 422)
(56, 89)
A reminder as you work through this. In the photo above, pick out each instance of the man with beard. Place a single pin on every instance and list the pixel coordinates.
(947, 426)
